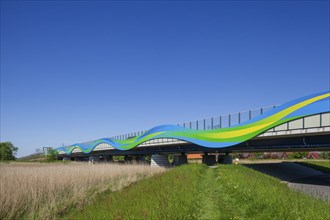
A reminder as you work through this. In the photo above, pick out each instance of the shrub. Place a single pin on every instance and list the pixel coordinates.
(299, 155)
(325, 155)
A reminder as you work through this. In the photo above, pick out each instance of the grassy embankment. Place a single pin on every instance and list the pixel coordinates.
(199, 192)
(45, 190)
(319, 165)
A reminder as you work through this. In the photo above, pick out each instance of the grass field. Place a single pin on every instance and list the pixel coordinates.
(198, 192)
(45, 190)
(319, 165)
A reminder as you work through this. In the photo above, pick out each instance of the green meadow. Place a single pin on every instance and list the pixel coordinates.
(199, 192)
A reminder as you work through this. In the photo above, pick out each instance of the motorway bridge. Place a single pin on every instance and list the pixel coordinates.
(299, 125)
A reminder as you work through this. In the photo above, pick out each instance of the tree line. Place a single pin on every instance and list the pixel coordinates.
(7, 151)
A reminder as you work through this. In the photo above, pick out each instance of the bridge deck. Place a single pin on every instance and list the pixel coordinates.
(292, 135)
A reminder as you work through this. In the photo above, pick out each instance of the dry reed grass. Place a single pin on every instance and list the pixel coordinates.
(44, 191)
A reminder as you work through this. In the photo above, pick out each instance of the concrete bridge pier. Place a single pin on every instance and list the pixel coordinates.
(225, 159)
(160, 160)
(180, 159)
(209, 159)
(92, 159)
(66, 158)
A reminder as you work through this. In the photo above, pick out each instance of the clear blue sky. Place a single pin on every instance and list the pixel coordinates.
(76, 71)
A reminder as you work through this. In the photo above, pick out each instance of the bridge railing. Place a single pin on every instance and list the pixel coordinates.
(309, 122)
(221, 121)
(303, 125)
(224, 121)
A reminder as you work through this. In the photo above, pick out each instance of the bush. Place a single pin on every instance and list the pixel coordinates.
(325, 155)
(7, 151)
(51, 155)
(258, 155)
(299, 155)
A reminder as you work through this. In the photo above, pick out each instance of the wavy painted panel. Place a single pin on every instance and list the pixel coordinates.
(222, 137)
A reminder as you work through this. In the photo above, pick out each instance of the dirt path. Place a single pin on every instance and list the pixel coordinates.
(209, 196)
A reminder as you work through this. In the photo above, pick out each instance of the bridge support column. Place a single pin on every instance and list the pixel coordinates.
(180, 159)
(159, 160)
(209, 159)
(225, 159)
(66, 158)
(92, 159)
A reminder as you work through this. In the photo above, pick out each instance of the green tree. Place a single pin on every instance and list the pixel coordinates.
(51, 155)
(258, 155)
(299, 155)
(7, 151)
(325, 155)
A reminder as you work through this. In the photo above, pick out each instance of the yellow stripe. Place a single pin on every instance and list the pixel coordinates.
(274, 118)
